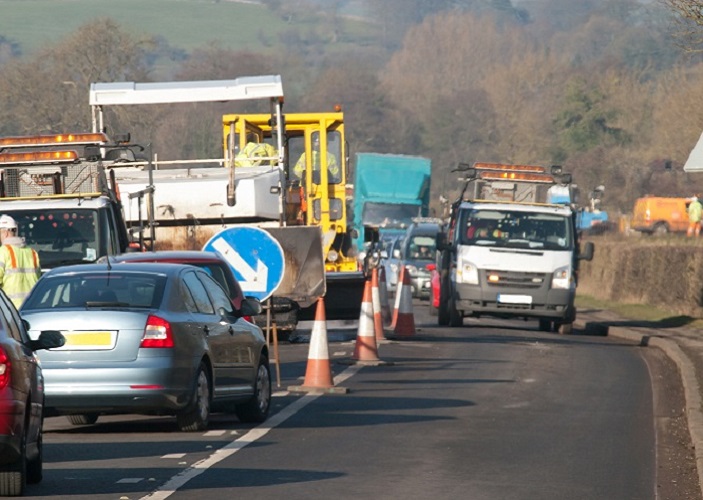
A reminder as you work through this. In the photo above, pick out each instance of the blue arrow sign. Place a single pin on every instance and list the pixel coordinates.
(255, 257)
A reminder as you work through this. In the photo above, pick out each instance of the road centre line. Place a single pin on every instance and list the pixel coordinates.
(180, 479)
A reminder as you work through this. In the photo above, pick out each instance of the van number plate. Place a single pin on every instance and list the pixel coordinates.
(514, 299)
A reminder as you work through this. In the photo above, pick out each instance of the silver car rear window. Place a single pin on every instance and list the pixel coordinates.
(99, 289)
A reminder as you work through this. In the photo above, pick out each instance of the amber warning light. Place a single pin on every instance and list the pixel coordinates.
(52, 140)
(512, 168)
(516, 176)
(39, 157)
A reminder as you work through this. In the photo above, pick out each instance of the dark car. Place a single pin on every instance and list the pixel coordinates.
(149, 338)
(21, 400)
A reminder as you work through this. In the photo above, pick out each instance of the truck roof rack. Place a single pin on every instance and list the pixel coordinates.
(52, 165)
(511, 182)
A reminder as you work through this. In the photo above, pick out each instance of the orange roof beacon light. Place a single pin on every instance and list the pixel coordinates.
(39, 157)
(516, 176)
(515, 168)
(52, 140)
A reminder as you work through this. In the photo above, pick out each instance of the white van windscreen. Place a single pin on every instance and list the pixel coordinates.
(516, 229)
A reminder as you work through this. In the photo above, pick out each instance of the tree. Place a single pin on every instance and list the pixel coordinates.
(586, 119)
(49, 91)
(354, 86)
(689, 22)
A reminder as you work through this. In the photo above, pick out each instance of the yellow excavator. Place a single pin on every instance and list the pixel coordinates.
(313, 153)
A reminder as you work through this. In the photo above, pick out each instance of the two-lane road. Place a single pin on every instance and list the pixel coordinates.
(494, 410)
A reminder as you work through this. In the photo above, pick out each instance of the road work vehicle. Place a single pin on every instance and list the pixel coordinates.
(191, 200)
(60, 190)
(506, 252)
(389, 191)
(312, 197)
(660, 215)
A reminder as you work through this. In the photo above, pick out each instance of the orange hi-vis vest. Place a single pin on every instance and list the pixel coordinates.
(19, 271)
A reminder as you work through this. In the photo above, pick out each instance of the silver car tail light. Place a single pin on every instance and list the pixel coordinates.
(157, 333)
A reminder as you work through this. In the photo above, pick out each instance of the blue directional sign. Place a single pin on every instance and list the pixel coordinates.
(255, 257)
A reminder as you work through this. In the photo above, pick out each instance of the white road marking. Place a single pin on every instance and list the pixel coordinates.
(131, 480)
(179, 480)
(214, 433)
(174, 455)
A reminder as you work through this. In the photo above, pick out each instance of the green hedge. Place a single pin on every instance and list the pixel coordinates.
(661, 272)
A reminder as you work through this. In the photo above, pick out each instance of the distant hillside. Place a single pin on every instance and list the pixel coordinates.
(183, 24)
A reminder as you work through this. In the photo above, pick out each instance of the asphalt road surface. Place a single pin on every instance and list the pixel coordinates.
(494, 410)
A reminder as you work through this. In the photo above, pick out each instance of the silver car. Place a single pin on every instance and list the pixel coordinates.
(391, 258)
(148, 338)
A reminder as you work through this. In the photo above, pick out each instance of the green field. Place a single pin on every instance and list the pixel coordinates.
(184, 24)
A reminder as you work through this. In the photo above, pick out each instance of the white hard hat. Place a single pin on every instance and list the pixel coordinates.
(7, 222)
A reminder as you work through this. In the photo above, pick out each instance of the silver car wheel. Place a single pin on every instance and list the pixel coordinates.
(263, 388)
(256, 409)
(197, 415)
(202, 399)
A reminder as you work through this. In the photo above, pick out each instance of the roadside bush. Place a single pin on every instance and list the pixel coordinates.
(662, 272)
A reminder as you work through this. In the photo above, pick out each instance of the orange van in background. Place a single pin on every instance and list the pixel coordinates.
(655, 215)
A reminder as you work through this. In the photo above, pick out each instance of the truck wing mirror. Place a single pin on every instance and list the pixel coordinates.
(441, 241)
(587, 251)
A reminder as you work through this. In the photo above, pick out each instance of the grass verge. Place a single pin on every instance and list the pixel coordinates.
(641, 312)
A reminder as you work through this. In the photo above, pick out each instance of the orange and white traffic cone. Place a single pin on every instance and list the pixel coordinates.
(404, 319)
(318, 375)
(366, 349)
(383, 294)
(376, 302)
(398, 295)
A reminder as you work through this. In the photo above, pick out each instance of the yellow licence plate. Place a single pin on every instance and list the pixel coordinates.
(84, 340)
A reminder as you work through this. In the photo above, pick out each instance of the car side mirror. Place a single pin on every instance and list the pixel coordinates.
(251, 306)
(48, 339)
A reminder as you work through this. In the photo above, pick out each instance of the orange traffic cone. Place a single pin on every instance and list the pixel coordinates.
(376, 302)
(398, 294)
(366, 349)
(404, 319)
(383, 294)
(318, 375)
